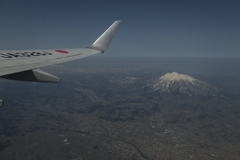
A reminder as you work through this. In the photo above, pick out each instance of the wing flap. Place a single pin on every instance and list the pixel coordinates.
(35, 75)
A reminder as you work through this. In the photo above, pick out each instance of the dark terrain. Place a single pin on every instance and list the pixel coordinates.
(103, 109)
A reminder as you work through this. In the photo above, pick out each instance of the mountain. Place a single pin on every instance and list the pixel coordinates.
(174, 83)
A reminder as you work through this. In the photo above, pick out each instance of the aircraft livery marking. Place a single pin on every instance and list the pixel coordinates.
(24, 54)
(62, 51)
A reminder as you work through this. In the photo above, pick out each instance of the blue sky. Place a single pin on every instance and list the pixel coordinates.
(196, 28)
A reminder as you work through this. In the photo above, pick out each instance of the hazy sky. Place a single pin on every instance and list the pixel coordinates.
(149, 28)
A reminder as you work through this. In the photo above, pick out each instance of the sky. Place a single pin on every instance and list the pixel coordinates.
(157, 28)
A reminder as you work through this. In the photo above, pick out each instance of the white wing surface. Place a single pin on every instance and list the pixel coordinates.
(23, 65)
(18, 61)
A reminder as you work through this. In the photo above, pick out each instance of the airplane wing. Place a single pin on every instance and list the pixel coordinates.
(24, 65)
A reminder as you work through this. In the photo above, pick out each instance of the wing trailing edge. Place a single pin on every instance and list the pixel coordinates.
(35, 75)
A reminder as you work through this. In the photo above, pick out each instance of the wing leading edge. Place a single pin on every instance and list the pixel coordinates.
(23, 65)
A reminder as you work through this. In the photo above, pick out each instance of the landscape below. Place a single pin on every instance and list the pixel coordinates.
(125, 108)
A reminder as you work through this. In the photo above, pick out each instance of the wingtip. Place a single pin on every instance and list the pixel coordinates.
(104, 40)
(118, 21)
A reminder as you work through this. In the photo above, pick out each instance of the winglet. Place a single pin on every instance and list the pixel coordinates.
(104, 40)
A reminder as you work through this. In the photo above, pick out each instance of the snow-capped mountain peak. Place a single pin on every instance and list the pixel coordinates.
(174, 76)
(180, 84)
